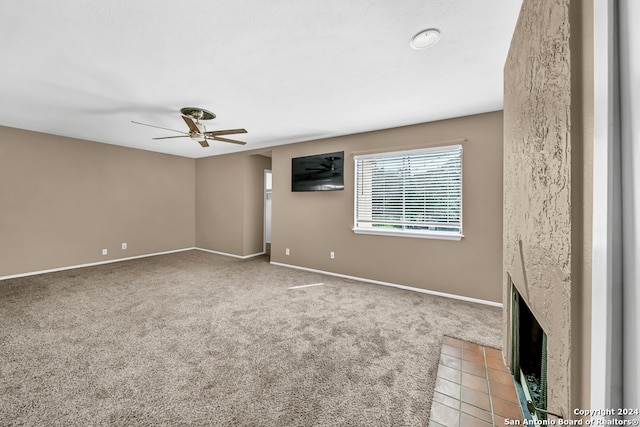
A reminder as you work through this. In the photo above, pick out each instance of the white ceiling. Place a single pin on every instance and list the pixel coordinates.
(286, 70)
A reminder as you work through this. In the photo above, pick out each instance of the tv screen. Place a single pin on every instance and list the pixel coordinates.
(321, 172)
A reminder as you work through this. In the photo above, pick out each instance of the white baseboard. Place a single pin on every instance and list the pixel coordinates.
(91, 264)
(394, 285)
(361, 279)
(231, 255)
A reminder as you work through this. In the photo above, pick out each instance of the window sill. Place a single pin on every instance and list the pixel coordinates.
(421, 235)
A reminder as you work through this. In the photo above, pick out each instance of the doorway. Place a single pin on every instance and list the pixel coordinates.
(268, 188)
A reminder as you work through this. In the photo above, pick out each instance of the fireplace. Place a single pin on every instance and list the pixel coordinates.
(529, 358)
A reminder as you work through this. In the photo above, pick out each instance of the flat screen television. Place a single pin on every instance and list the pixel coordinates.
(321, 172)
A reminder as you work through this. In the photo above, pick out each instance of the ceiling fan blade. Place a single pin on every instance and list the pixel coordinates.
(167, 137)
(217, 138)
(191, 124)
(204, 143)
(159, 127)
(224, 132)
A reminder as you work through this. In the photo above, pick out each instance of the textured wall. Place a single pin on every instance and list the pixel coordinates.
(543, 185)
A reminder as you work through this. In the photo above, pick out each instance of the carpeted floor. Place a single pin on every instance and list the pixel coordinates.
(198, 339)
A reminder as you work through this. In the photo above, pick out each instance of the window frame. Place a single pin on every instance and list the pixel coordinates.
(430, 234)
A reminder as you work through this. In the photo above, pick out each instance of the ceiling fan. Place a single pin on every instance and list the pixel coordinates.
(323, 167)
(197, 130)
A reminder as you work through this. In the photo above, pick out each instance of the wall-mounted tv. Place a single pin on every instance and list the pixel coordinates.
(321, 172)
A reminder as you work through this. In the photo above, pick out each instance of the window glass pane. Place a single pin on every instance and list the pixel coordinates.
(418, 191)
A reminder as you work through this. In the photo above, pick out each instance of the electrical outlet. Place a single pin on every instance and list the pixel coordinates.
(104, 252)
(286, 251)
(124, 246)
(332, 255)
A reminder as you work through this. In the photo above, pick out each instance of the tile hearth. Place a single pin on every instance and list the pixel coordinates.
(473, 387)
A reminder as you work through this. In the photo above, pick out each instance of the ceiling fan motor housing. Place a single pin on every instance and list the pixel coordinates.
(197, 113)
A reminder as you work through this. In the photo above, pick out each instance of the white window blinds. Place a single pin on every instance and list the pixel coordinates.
(411, 192)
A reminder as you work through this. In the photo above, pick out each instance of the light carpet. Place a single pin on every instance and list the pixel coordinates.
(198, 339)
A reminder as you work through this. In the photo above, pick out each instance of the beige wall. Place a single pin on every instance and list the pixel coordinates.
(547, 184)
(229, 203)
(63, 200)
(97, 196)
(219, 203)
(313, 224)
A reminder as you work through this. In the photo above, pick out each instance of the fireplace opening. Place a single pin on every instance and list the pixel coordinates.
(529, 358)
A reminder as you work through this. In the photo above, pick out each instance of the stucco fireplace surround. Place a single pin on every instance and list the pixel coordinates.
(547, 188)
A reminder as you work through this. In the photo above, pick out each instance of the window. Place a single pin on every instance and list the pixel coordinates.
(411, 193)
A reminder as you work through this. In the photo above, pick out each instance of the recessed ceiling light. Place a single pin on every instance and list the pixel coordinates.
(425, 39)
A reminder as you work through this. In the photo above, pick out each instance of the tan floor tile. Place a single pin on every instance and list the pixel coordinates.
(496, 364)
(474, 382)
(449, 388)
(473, 357)
(493, 353)
(469, 421)
(475, 398)
(452, 342)
(446, 400)
(506, 409)
(472, 348)
(450, 374)
(500, 377)
(474, 368)
(476, 412)
(450, 361)
(451, 351)
(445, 415)
(466, 374)
(503, 392)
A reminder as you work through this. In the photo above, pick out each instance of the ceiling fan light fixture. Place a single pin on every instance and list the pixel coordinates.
(197, 113)
(425, 39)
